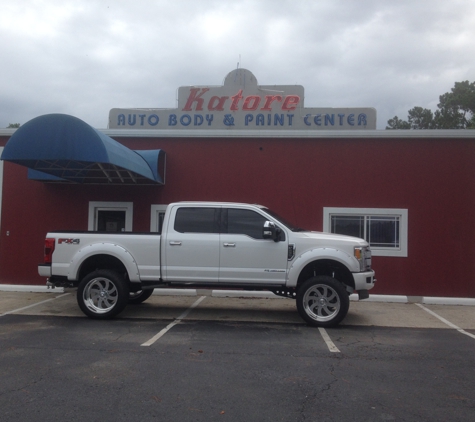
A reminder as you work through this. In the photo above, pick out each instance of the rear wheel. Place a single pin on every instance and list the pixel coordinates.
(135, 298)
(102, 294)
(322, 301)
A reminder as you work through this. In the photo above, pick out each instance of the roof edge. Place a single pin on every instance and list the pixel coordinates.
(7, 132)
(163, 133)
(390, 134)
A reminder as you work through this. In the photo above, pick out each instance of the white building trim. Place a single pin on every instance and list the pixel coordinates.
(318, 134)
(95, 206)
(402, 214)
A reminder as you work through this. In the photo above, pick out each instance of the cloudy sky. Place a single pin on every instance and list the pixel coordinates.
(85, 57)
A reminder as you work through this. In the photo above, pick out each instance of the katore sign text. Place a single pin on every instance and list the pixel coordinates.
(240, 103)
(196, 101)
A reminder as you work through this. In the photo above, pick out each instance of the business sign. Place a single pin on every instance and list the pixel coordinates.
(240, 103)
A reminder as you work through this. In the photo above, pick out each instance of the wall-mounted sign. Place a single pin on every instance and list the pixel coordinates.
(240, 103)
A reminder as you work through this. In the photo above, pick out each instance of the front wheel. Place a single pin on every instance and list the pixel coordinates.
(322, 301)
(102, 294)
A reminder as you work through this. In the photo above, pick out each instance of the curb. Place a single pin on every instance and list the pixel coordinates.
(260, 295)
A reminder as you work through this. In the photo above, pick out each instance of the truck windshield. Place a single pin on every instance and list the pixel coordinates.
(285, 222)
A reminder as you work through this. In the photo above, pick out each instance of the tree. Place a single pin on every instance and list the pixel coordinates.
(456, 110)
(421, 118)
(397, 123)
(13, 125)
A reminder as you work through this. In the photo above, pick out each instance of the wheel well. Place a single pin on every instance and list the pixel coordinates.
(327, 267)
(101, 262)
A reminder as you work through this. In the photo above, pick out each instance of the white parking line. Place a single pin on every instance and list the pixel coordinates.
(460, 330)
(328, 341)
(172, 324)
(34, 304)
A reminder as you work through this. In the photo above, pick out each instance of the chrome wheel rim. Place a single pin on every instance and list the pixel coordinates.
(100, 295)
(321, 302)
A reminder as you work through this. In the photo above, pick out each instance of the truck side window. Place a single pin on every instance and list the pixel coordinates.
(197, 220)
(245, 222)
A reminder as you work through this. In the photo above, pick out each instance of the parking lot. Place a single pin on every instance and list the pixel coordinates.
(203, 358)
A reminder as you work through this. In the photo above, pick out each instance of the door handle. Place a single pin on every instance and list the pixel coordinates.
(229, 245)
(174, 243)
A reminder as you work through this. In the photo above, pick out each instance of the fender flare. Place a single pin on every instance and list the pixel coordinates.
(104, 248)
(318, 254)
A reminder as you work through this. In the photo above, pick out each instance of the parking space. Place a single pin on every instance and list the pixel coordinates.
(190, 306)
(24, 302)
(234, 359)
(247, 309)
(409, 315)
(170, 310)
(463, 318)
(204, 369)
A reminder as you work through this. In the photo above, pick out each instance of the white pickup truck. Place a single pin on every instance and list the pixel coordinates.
(214, 246)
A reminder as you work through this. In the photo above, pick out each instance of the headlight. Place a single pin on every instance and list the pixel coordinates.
(363, 256)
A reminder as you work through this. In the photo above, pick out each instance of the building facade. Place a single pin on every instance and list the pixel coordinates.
(411, 194)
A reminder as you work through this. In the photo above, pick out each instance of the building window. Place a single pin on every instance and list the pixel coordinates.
(384, 229)
(110, 216)
(157, 215)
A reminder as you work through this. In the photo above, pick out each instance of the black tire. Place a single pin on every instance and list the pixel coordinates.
(102, 294)
(322, 301)
(136, 298)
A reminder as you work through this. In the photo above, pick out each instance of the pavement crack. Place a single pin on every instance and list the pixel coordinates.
(328, 385)
(310, 400)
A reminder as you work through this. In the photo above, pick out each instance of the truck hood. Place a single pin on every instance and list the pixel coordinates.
(328, 238)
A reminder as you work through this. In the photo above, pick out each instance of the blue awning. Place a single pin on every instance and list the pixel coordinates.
(62, 148)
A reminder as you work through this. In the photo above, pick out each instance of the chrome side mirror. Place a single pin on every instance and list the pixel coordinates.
(270, 231)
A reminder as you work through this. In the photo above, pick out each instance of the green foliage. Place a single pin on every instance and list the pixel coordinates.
(456, 110)
(397, 123)
(421, 118)
(13, 125)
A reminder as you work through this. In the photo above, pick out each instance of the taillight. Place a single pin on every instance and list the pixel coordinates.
(49, 249)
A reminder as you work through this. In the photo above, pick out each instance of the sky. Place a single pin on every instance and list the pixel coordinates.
(86, 57)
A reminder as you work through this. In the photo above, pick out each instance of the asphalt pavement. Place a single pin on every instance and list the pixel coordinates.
(198, 357)
(245, 307)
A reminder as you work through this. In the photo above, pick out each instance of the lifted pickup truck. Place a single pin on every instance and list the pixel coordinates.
(215, 246)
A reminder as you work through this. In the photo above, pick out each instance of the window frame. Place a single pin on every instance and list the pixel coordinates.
(401, 213)
(155, 211)
(216, 220)
(95, 206)
(225, 223)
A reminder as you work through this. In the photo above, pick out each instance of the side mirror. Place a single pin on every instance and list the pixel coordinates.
(271, 231)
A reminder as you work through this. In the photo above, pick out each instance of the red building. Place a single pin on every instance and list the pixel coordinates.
(410, 193)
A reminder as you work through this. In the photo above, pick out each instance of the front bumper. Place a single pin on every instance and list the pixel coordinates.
(364, 281)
